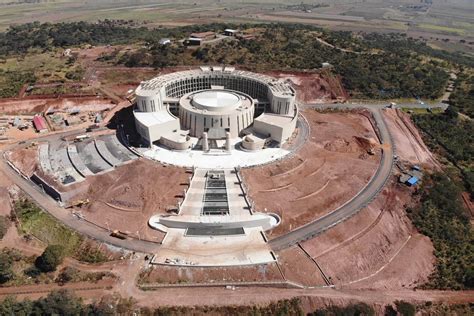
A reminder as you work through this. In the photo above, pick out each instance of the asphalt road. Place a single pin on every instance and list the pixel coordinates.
(65, 216)
(305, 232)
(364, 197)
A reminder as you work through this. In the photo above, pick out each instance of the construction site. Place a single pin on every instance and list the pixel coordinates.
(321, 208)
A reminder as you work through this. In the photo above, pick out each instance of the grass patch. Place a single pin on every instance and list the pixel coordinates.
(441, 28)
(36, 67)
(422, 111)
(34, 221)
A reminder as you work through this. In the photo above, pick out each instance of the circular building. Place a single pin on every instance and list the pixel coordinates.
(216, 110)
(183, 109)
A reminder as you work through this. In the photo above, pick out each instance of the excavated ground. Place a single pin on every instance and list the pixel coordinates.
(314, 87)
(329, 170)
(408, 142)
(377, 248)
(173, 275)
(125, 198)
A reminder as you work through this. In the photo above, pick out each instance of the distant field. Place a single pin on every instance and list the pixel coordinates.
(443, 18)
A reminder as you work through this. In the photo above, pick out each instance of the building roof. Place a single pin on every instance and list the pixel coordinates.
(412, 180)
(154, 118)
(201, 34)
(274, 119)
(39, 122)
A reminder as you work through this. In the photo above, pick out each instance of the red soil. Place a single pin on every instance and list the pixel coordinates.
(128, 196)
(328, 171)
(38, 105)
(167, 274)
(25, 159)
(314, 87)
(299, 268)
(377, 248)
(408, 142)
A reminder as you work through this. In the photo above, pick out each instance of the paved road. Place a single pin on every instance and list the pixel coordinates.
(352, 207)
(63, 215)
(303, 233)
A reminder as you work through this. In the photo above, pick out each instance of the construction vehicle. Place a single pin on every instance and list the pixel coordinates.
(78, 203)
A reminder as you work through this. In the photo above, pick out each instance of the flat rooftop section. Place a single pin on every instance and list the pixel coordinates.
(154, 118)
(179, 136)
(274, 119)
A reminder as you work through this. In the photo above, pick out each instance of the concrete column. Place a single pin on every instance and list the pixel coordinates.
(227, 141)
(205, 142)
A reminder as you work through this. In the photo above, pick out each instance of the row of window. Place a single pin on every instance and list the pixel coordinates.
(255, 89)
(187, 121)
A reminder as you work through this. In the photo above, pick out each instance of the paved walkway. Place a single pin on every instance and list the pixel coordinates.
(241, 241)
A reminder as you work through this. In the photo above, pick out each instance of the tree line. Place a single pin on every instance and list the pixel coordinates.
(380, 66)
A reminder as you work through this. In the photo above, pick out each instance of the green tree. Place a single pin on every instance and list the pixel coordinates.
(49, 260)
(62, 302)
(405, 308)
(3, 226)
(6, 268)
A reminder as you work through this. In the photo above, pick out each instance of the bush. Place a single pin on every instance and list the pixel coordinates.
(349, 310)
(6, 268)
(67, 275)
(3, 226)
(405, 308)
(52, 256)
(442, 217)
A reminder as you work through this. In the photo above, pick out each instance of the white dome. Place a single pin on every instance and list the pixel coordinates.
(216, 100)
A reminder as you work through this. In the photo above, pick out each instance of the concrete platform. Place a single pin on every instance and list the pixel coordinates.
(117, 149)
(247, 249)
(77, 162)
(215, 158)
(232, 238)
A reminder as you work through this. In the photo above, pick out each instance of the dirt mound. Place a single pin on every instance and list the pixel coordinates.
(25, 159)
(367, 144)
(314, 87)
(341, 145)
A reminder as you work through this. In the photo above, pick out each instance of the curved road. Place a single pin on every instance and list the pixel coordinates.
(65, 216)
(365, 196)
(302, 233)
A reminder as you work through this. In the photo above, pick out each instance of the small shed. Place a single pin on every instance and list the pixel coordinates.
(230, 32)
(40, 124)
(193, 41)
(412, 181)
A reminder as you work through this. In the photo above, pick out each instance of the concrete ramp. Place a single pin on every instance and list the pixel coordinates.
(106, 154)
(77, 162)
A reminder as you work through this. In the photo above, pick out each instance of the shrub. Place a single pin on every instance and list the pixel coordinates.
(6, 268)
(405, 308)
(52, 256)
(3, 226)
